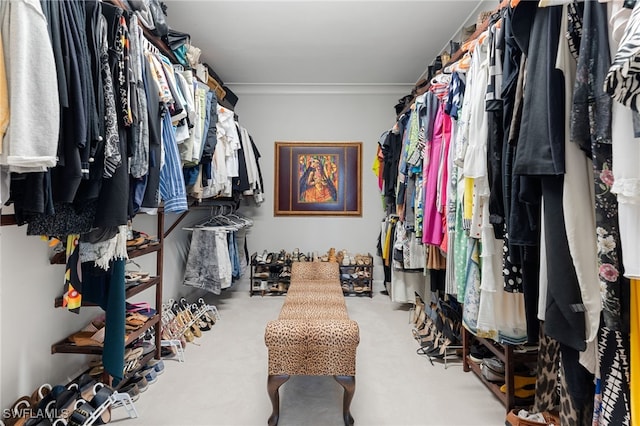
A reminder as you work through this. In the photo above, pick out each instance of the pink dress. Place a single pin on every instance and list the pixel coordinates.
(435, 179)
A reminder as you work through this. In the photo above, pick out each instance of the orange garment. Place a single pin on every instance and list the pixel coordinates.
(318, 192)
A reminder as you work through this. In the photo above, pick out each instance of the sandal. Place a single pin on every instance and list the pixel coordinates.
(208, 317)
(40, 394)
(135, 243)
(19, 412)
(88, 338)
(203, 324)
(136, 319)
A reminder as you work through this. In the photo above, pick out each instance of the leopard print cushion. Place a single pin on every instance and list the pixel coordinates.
(313, 311)
(312, 347)
(314, 271)
(313, 334)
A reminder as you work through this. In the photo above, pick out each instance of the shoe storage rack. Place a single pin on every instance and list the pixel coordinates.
(270, 273)
(356, 276)
(504, 353)
(66, 346)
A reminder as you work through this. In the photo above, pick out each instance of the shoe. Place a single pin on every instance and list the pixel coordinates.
(133, 391)
(490, 374)
(495, 364)
(40, 394)
(139, 380)
(520, 382)
(477, 353)
(156, 364)
(19, 412)
(525, 393)
(150, 374)
(102, 396)
(523, 349)
(167, 352)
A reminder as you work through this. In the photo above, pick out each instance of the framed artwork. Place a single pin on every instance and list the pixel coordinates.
(318, 178)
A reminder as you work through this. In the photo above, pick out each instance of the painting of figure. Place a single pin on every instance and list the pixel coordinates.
(318, 179)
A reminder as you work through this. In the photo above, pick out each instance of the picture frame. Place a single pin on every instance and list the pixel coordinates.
(318, 179)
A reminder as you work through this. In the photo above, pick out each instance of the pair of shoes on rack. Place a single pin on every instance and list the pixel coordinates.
(133, 390)
(62, 405)
(141, 240)
(139, 380)
(152, 370)
(91, 335)
(492, 369)
(87, 408)
(479, 352)
(524, 387)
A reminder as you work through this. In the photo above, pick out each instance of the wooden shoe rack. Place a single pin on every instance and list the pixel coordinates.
(65, 346)
(505, 354)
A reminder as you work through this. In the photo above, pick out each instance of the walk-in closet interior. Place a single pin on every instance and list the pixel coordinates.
(319, 212)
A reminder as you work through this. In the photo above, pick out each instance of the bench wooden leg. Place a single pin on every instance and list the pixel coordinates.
(273, 384)
(349, 385)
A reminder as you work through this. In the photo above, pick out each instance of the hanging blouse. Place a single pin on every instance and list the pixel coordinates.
(31, 140)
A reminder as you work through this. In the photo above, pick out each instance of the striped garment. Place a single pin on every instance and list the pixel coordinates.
(172, 189)
(622, 82)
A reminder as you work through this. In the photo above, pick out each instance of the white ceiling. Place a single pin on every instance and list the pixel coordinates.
(323, 41)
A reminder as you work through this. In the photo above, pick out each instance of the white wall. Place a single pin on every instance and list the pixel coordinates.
(29, 321)
(293, 113)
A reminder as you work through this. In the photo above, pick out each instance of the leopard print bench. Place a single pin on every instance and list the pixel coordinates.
(313, 334)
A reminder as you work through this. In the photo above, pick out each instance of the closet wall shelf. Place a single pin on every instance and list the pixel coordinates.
(132, 291)
(60, 258)
(8, 219)
(66, 347)
(141, 252)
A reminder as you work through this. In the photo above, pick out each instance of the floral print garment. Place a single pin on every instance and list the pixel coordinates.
(591, 129)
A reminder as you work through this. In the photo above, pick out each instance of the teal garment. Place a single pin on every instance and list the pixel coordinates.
(106, 289)
(113, 353)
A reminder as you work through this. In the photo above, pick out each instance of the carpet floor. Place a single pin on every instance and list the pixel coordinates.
(223, 379)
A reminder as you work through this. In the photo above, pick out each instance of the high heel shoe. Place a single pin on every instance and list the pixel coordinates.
(269, 259)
